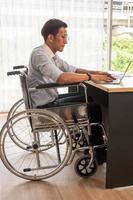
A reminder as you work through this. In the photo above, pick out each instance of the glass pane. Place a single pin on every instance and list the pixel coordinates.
(122, 35)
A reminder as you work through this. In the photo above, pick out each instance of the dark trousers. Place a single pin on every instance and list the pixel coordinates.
(94, 110)
(94, 114)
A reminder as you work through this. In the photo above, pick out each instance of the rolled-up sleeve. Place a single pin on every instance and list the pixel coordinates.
(44, 64)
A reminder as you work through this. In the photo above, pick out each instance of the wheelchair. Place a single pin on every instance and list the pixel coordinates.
(38, 143)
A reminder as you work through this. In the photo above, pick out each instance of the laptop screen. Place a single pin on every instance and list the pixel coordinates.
(125, 71)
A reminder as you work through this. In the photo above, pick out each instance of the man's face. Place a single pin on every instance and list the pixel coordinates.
(60, 39)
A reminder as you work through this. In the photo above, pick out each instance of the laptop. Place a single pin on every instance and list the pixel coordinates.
(117, 80)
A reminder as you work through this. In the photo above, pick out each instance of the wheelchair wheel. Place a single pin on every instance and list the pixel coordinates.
(22, 140)
(40, 162)
(17, 107)
(84, 167)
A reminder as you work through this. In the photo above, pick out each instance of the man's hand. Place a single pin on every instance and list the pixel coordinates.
(103, 76)
(102, 73)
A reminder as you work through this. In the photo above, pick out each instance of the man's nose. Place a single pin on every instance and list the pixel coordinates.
(65, 41)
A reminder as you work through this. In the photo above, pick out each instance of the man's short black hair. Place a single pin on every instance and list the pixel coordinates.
(51, 27)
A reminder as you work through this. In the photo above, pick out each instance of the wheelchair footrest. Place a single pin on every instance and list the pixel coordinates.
(39, 168)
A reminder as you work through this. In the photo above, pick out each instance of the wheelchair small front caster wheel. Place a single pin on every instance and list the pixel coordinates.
(84, 168)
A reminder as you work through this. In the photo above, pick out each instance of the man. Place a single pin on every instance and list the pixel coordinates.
(46, 66)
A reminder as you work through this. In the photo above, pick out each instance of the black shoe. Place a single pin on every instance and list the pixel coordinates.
(101, 155)
(97, 135)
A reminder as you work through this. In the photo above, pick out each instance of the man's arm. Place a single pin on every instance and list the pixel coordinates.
(73, 74)
(71, 77)
(92, 72)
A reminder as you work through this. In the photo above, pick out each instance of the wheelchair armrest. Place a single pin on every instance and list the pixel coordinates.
(53, 85)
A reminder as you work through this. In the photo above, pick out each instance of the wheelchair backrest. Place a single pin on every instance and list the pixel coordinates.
(25, 91)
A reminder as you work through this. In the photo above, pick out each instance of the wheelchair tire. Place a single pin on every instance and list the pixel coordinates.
(38, 163)
(84, 168)
(17, 107)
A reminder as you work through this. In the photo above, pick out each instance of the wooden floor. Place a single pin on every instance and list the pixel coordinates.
(66, 185)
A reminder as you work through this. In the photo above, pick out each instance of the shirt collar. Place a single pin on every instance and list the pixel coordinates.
(49, 51)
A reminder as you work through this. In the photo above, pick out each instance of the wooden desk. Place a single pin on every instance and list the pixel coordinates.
(117, 105)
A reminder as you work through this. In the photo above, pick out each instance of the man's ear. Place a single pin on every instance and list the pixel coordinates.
(50, 37)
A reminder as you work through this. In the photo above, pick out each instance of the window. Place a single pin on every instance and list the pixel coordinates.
(122, 34)
(121, 29)
(20, 25)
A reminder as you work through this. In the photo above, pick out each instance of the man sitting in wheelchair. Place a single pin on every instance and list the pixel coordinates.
(45, 66)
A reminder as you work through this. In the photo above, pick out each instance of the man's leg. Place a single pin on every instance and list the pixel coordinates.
(95, 115)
